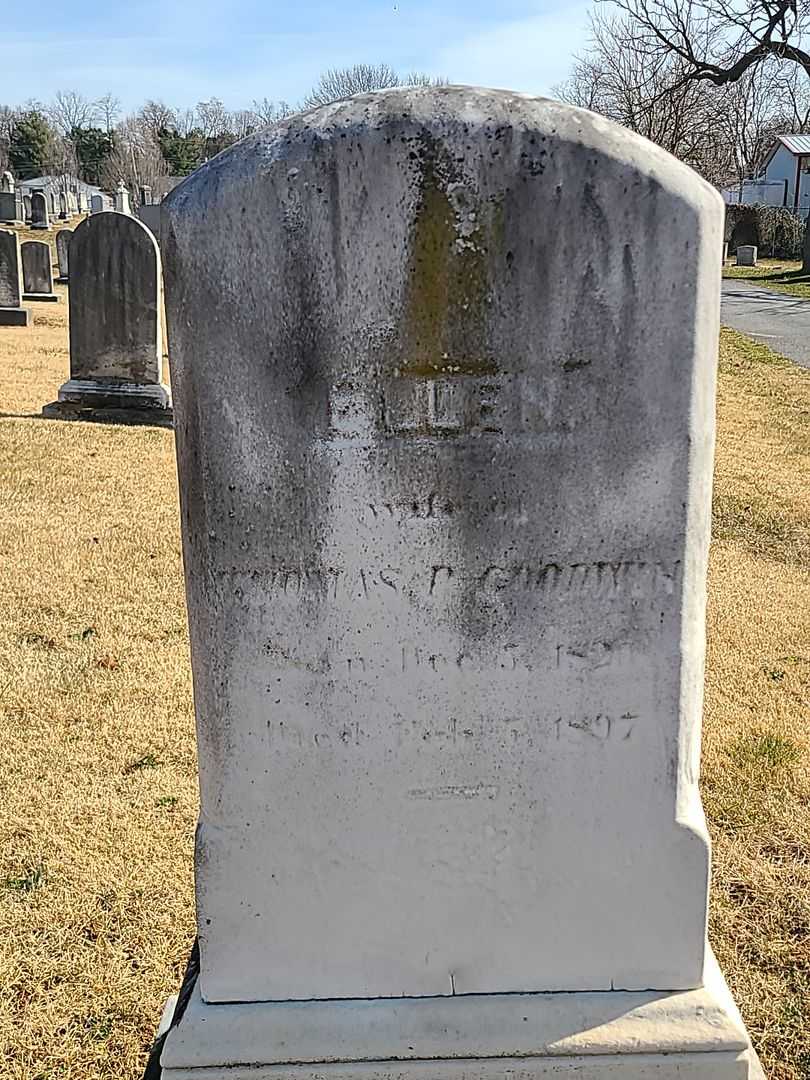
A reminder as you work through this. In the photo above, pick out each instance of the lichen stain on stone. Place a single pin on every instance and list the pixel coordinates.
(444, 330)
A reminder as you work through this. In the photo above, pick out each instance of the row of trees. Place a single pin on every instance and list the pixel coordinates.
(711, 82)
(72, 135)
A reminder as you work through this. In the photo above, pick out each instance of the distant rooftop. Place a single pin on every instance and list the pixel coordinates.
(45, 183)
(796, 144)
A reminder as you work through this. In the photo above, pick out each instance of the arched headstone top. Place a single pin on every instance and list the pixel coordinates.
(115, 301)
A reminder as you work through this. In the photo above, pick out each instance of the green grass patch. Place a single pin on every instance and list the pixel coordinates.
(765, 750)
(781, 275)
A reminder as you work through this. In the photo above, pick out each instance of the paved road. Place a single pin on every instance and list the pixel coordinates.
(780, 321)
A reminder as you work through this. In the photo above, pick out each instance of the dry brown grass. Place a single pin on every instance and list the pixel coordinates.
(756, 765)
(97, 765)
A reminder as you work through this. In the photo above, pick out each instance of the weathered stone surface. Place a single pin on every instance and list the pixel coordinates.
(63, 238)
(37, 271)
(27, 208)
(122, 199)
(6, 182)
(40, 213)
(149, 214)
(445, 500)
(11, 286)
(516, 656)
(747, 255)
(10, 207)
(11, 282)
(96, 204)
(116, 359)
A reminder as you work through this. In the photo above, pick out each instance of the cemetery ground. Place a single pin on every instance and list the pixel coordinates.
(781, 275)
(97, 768)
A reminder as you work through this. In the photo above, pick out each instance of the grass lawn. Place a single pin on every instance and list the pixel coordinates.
(97, 768)
(781, 275)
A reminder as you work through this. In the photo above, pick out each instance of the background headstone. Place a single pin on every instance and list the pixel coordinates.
(40, 214)
(96, 204)
(11, 285)
(149, 214)
(116, 339)
(6, 182)
(27, 208)
(11, 212)
(146, 195)
(37, 271)
(446, 518)
(746, 255)
(122, 199)
(63, 238)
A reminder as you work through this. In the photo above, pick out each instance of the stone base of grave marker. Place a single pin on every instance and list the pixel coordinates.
(112, 401)
(46, 297)
(15, 316)
(648, 1035)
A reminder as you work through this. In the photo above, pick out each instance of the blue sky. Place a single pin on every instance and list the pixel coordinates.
(182, 51)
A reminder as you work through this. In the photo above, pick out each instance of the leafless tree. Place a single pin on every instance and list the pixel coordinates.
(243, 123)
(614, 78)
(155, 116)
(70, 109)
(718, 41)
(212, 118)
(339, 83)
(722, 131)
(136, 158)
(268, 112)
(8, 117)
(108, 109)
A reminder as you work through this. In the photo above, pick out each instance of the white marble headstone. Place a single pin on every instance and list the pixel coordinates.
(445, 420)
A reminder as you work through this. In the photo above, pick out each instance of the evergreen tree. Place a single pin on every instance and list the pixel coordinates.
(93, 148)
(31, 146)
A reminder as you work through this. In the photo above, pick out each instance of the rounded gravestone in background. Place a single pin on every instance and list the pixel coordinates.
(115, 301)
(63, 238)
(37, 271)
(116, 333)
(39, 211)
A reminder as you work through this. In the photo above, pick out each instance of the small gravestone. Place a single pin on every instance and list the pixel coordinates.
(116, 338)
(27, 208)
(146, 195)
(150, 216)
(747, 255)
(96, 204)
(446, 508)
(11, 210)
(122, 199)
(63, 238)
(37, 271)
(6, 182)
(40, 214)
(11, 285)
(64, 212)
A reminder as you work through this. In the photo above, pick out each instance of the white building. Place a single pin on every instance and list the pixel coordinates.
(785, 177)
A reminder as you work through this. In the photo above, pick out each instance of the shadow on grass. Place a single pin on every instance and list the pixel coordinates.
(781, 277)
